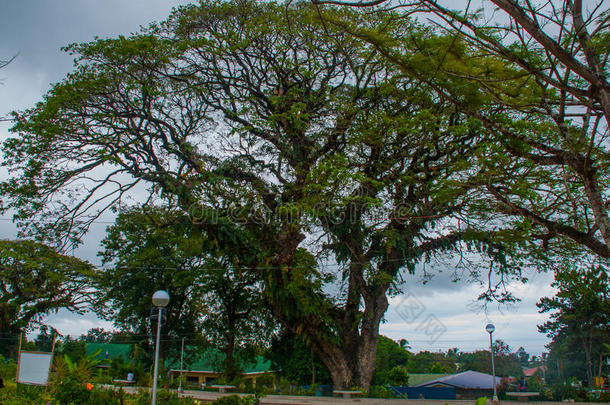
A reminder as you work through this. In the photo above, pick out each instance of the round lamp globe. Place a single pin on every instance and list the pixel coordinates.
(160, 298)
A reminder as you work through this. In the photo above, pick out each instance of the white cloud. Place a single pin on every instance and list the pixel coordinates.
(439, 319)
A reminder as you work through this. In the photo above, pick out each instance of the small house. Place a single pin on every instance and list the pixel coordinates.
(208, 367)
(467, 385)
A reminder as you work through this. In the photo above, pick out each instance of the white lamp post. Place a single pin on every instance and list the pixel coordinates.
(160, 299)
(490, 328)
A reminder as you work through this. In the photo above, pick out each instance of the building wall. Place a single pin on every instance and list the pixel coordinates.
(461, 393)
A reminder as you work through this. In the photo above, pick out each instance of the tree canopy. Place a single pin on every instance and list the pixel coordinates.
(282, 137)
(148, 249)
(544, 67)
(212, 300)
(579, 314)
(35, 280)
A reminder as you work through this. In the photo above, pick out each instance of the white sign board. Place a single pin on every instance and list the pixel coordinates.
(34, 368)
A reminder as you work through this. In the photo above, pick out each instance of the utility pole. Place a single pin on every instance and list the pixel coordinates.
(181, 362)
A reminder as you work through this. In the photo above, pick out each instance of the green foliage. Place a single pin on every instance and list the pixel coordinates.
(295, 362)
(70, 379)
(8, 369)
(432, 362)
(74, 349)
(97, 335)
(565, 390)
(579, 315)
(44, 339)
(22, 393)
(106, 396)
(390, 355)
(119, 369)
(152, 248)
(506, 363)
(36, 280)
(235, 400)
(398, 376)
(481, 401)
(380, 391)
(159, 247)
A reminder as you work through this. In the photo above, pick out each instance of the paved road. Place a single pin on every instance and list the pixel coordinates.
(208, 396)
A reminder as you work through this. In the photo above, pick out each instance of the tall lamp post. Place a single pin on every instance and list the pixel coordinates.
(490, 328)
(160, 299)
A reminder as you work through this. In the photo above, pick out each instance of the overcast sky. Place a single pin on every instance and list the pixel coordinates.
(436, 316)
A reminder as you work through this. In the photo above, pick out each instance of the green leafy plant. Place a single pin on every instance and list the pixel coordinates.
(398, 375)
(103, 396)
(7, 368)
(236, 400)
(379, 391)
(69, 382)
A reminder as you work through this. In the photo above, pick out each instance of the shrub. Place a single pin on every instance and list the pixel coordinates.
(31, 393)
(379, 391)
(8, 369)
(398, 376)
(71, 391)
(266, 380)
(164, 397)
(69, 381)
(236, 400)
(105, 396)
(564, 390)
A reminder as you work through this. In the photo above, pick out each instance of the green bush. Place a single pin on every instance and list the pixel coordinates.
(236, 400)
(398, 376)
(105, 396)
(8, 369)
(564, 390)
(311, 391)
(31, 393)
(248, 386)
(286, 387)
(164, 397)
(379, 391)
(71, 391)
(266, 380)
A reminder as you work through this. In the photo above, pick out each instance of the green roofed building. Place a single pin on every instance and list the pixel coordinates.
(106, 352)
(207, 368)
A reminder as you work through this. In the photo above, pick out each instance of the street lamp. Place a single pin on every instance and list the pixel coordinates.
(160, 299)
(490, 328)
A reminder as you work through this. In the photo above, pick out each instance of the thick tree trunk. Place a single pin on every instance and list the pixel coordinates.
(349, 370)
(231, 368)
(587, 345)
(352, 363)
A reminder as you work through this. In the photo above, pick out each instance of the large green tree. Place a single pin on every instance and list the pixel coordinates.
(234, 318)
(35, 281)
(545, 66)
(390, 356)
(211, 300)
(263, 118)
(293, 359)
(148, 249)
(580, 314)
